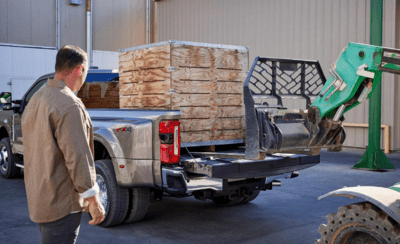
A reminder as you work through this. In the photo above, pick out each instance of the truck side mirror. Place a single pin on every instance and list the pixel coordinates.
(5, 100)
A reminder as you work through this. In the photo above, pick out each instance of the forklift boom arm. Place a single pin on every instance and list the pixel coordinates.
(354, 77)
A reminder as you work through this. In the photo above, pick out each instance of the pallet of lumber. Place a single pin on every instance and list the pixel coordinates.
(203, 81)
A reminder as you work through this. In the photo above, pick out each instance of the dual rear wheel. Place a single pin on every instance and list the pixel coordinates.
(122, 205)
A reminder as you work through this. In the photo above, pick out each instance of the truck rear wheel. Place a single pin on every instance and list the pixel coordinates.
(254, 194)
(359, 223)
(114, 199)
(225, 200)
(138, 204)
(8, 169)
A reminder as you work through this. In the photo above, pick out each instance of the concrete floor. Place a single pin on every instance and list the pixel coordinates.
(288, 214)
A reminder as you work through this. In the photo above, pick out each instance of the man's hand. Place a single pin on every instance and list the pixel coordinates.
(96, 210)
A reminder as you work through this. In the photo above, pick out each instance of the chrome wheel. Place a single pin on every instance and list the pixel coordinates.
(103, 192)
(4, 158)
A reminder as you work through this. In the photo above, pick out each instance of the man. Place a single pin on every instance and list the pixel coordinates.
(60, 177)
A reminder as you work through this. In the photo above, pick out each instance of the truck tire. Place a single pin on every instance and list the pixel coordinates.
(114, 199)
(359, 223)
(254, 194)
(138, 204)
(8, 169)
(224, 200)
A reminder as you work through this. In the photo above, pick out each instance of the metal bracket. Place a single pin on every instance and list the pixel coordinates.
(338, 83)
(362, 72)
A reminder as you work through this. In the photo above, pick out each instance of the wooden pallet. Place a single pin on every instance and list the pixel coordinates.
(99, 95)
(204, 82)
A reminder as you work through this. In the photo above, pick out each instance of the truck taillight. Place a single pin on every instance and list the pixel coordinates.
(170, 142)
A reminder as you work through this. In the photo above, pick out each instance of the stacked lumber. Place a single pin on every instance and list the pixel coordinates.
(99, 94)
(203, 81)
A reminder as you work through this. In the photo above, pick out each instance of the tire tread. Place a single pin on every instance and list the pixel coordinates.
(118, 196)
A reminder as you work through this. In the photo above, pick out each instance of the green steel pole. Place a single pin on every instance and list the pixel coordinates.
(374, 158)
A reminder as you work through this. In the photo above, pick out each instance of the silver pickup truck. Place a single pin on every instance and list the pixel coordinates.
(139, 157)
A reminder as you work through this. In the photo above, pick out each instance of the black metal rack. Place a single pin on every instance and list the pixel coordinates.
(277, 78)
(284, 78)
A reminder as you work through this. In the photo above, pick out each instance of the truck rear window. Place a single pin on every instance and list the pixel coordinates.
(101, 90)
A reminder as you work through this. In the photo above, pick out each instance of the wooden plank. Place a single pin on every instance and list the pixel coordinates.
(100, 99)
(229, 123)
(125, 62)
(230, 112)
(193, 100)
(159, 87)
(191, 87)
(229, 87)
(145, 108)
(92, 93)
(187, 73)
(125, 66)
(231, 59)
(386, 131)
(231, 75)
(87, 94)
(112, 93)
(229, 99)
(124, 56)
(154, 57)
(145, 101)
(198, 74)
(160, 74)
(194, 112)
(125, 79)
(125, 74)
(191, 56)
(227, 135)
(195, 136)
(195, 124)
(102, 105)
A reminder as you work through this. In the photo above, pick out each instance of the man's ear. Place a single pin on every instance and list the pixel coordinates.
(79, 69)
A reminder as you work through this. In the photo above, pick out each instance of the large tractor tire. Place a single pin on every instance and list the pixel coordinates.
(138, 204)
(8, 168)
(359, 223)
(114, 198)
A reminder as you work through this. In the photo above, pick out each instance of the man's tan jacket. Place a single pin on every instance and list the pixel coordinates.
(58, 153)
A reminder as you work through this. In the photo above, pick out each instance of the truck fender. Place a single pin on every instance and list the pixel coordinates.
(386, 199)
(4, 124)
(110, 142)
(129, 172)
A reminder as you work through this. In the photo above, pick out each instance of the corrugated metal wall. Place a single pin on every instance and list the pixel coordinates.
(117, 24)
(73, 23)
(27, 22)
(303, 29)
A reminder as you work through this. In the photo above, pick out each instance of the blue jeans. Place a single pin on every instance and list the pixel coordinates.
(62, 231)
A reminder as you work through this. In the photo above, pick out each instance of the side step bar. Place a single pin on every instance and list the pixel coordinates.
(20, 165)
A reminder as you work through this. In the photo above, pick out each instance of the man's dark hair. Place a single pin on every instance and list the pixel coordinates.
(69, 57)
